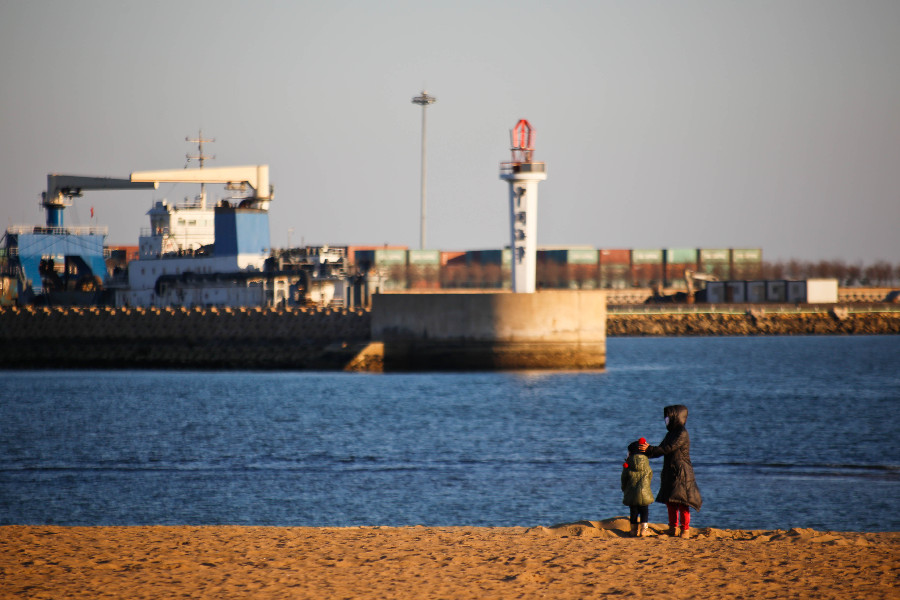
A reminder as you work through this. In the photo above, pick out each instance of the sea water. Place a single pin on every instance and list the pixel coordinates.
(785, 432)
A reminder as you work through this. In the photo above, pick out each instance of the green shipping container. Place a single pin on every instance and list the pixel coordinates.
(681, 256)
(425, 257)
(390, 257)
(646, 257)
(381, 258)
(714, 255)
(746, 255)
(583, 256)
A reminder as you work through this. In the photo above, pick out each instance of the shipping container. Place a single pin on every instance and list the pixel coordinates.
(393, 285)
(646, 257)
(674, 275)
(488, 257)
(492, 276)
(614, 257)
(352, 250)
(676, 261)
(423, 284)
(681, 256)
(614, 276)
(746, 263)
(713, 255)
(453, 258)
(721, 271)
(715, 292)
(736, 291)
(746, 270)
(715, 261)
(776, 291)
(746, 255)
(570, 256)
(646, 274)
(423, 275)
(454, 275)
(582, 276)
(821, 291)
(550, 275)
(796, 291)
(424, 257)
(382, 257)
(756, 291)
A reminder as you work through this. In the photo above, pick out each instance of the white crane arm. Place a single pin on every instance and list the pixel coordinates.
(256, 176)
(61, 186)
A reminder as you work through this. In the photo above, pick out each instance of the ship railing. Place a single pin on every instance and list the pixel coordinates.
(507, 168)
(195, 202)
(152, 232)
(76, 230)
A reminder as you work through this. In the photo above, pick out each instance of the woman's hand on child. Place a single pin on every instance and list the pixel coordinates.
(643, 447)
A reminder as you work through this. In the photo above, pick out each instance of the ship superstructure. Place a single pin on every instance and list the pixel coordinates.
(57, 263)
(193, 255)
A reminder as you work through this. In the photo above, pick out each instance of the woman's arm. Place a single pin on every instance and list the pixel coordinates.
(670, 443)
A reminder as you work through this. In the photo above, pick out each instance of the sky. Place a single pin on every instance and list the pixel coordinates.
(691, 124)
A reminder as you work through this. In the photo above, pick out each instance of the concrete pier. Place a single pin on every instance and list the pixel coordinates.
(558, 329)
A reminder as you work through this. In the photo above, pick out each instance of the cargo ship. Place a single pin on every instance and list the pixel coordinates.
(195, 253)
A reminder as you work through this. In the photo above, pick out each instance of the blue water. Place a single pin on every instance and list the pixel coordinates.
(786, 432)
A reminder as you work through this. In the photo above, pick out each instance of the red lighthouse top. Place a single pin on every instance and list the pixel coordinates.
(522, 138)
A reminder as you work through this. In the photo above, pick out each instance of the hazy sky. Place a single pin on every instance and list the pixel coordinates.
(703, 124)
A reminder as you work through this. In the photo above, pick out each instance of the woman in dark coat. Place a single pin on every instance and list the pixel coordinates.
(678, 488)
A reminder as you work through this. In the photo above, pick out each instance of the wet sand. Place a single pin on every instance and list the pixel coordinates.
(576, 560)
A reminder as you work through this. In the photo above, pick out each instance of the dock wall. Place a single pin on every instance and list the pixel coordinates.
(332, 339)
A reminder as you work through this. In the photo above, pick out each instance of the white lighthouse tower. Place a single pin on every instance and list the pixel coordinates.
(523, 175)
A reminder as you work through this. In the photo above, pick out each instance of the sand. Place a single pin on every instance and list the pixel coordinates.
(575, 560)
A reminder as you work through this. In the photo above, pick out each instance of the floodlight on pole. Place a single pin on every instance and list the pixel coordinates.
(423, 100)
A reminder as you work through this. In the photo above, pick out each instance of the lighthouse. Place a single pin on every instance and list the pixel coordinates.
(523, 175)
(493, 330)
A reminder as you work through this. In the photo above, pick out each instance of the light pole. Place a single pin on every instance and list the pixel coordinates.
(423, 100)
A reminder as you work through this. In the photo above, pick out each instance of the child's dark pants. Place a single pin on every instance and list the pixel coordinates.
(639, 511)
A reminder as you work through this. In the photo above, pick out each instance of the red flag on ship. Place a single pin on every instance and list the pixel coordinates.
(92, 212)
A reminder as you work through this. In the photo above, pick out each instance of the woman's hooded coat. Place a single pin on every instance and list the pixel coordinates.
(677, 483)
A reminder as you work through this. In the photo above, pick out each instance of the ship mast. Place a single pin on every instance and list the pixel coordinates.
(201, 158)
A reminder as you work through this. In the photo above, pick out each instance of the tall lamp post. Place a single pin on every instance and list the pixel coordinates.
(423, 100)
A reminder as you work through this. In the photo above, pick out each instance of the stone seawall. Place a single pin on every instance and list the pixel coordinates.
(322, 339)
(835, 321)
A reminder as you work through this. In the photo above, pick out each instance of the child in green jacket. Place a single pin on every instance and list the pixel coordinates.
(636, 477)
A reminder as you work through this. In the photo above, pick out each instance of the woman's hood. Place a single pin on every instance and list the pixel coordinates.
(677, 414)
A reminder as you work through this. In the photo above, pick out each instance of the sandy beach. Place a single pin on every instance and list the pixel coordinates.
(575, 560)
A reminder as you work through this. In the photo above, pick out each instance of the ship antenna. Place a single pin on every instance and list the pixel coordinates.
(201, 158)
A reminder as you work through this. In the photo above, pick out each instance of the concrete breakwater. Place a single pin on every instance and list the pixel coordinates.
(550, 329)
(324, 338)
(179, 338)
